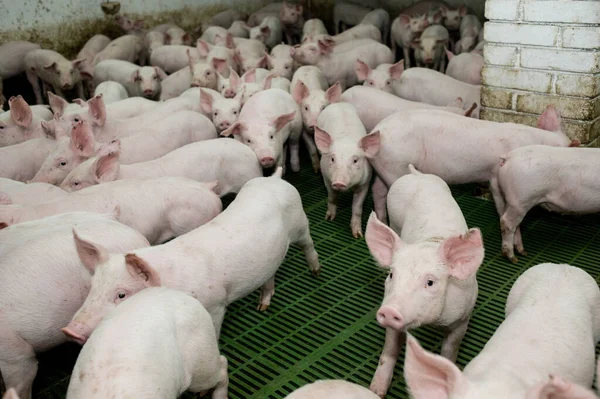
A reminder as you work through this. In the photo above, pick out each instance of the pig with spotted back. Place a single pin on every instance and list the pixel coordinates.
(375, 105)
(53, 69)
(224, 112)
(158, 344)
(202, 161)
(12, 60)
(435, 88)
(345, 168)
(467, 150)
(160, 208)
(179, 129)
(382, 77)
(559, 179)
(195, 262)
(465, 67)
(552, 326)
(433, 258)
(36, 302)
(340, 66)
(332, 389)
(20, 124)
(15, 192)
(138, 81)
(269, 123)
(348, 14)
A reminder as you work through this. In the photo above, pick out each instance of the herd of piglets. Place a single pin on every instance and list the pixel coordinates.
(117, 195)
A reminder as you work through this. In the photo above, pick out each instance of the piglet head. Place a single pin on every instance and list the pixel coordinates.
(415, 289)
(114, 279)
(290, 13)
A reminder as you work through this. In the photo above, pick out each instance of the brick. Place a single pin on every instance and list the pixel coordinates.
(496, 98)
(519, 79)
(538, 35)
(561, 60)
(578, 85)
(582, 131)
(500, 55)
(502, 9)
(568, 107)
(581, 37)
(578, 12)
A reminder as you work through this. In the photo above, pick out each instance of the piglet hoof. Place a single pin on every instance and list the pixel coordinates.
(357, 232)
(522, 251)
(296, 168)
(514, 260)
(316, 273)
(262, 308)
(330, 215)
(317, 168)
(378, 391)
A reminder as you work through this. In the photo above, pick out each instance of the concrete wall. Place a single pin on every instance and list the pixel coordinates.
(541, 53)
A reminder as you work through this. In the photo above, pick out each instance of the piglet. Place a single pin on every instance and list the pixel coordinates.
(332, 389)
(194, 263)
(152, 41)
(161, 341)
(470, 27)
(292, 18)
(93, 46)
(226, 18)
(38, 301)
(379, 18)
(111, 92)
(139, 81)
(204, 74)
(281, 61)
(12, 60)
(223, 111)
(313, 94)
(562, 344)
(313, 27)
(340, 66)
(176, 83)
(382, 77)
(53, 69)
(202, 161)
(177, 36)
(432, 266)
(250, 54)
(565, 182)
(435, 88)
(375, 105)
(239, 29)
(345, 168)
(14, 192)
(270, 122)
(20, 124)
(172, 58)
(465, 67)
(127, 48)
(270, 32)
(362, 31)
(429, 48)
(21, 161)
(468, 149)
(269, 10)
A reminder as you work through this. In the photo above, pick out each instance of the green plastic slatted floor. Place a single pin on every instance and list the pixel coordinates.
(325, 328)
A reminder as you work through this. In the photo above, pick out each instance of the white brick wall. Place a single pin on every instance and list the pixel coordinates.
(549, 49)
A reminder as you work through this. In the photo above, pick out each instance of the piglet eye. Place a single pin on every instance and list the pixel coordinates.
(235, 112)
(306, 107)
(332, 158)
(248, 141)
(121, 295)
(355, 160)
(63, 163)
(272, 137)
(1, 127)
(429, 283)
(391, 275)
(76, 119)
(75, 183)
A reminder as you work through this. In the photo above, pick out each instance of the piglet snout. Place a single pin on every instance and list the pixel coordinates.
(267, 162)
(74, 333)
(339, 186)
(387, 316)
(148, 92)
(224, 125)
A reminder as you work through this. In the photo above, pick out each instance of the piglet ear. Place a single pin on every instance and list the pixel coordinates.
(160, 73)
(235, 129)
(404, 19)
(206, 101)
(322, 140)
(397, 70)
(234, 79)
(382, 241)
(203, 48)
(97, 110)
(300, 91)
(11, 394)
(267, 82)
(139, 268)
(334, 93)
(20, 112)
(82, 139)
(362, 70)
(371, 144)
(283, 120)
(90, 254)
(219, 64)
(106, 167)
(550, 120)
(249, 76)
(430, 376)
(463, 254)
(57, 103)
(449, 53)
